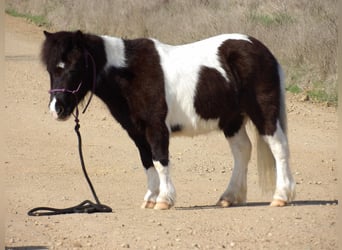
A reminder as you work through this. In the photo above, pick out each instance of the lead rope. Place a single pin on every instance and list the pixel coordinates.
(86, 206)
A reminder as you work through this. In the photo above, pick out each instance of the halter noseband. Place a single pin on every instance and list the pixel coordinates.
(74, 92)
(66, 90)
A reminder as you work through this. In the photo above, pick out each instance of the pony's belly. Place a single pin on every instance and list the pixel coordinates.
(191, 126)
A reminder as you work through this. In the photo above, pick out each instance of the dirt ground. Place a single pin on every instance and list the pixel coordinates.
(42, 169)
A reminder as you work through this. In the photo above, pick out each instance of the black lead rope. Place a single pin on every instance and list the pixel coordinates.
(85, 206)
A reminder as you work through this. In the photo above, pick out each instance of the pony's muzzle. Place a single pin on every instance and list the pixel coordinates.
(57, 110)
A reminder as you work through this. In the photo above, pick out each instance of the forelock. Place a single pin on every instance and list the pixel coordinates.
(55, 47)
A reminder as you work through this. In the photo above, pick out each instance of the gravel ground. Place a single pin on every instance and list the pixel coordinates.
(42, 168)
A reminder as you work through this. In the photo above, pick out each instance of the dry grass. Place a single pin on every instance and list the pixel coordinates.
(302, 34)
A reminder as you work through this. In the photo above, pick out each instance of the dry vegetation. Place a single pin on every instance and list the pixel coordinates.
(302, 34)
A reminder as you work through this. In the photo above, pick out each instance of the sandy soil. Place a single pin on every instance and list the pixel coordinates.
(42, 169)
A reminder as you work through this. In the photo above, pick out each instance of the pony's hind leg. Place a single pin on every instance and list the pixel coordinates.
(240, 145)
(285, 185)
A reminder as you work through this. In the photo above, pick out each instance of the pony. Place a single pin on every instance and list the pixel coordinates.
(155, 90)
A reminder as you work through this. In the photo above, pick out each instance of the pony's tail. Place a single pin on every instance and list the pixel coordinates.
(265, 160)
(265, 164)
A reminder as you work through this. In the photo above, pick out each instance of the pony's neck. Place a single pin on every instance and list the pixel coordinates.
(107, 52)
(94, 46)
(109, 59)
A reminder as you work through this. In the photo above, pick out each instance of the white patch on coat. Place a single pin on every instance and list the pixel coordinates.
(61, 65)
(181, 66)
(52, 107)
(115, 52)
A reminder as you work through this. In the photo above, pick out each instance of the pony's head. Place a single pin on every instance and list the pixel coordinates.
(66, 60)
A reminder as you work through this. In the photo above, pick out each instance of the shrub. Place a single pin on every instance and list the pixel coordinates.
(301, 34)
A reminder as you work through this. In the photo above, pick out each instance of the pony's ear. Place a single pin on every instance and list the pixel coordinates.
(79, 39)
(47, 34)
(79, 33)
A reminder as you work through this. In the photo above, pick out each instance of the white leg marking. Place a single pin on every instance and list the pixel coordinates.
(241, 148)
(285, 185)
(167, 192)
(152, 185)
(52, 108)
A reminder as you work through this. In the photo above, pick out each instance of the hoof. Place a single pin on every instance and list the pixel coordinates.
(162, 206)
(278, 203)
(223, 203)
(148, 204)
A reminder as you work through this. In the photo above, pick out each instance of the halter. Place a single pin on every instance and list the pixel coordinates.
(74, 92)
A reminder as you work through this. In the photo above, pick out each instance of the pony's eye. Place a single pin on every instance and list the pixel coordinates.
(60, 65)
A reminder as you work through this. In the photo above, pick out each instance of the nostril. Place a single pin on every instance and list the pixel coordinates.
(59, 109)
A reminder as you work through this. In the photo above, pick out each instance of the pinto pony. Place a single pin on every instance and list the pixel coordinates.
(155, 90)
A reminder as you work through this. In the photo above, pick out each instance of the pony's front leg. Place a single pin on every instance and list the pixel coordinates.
(158, 138)
(152, 193)
(160, 193)
(144, 148)
(167, 193)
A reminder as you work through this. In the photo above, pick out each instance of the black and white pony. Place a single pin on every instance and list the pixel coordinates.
(155, 90)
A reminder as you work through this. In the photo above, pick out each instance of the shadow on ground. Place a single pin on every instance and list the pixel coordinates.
(265, 204)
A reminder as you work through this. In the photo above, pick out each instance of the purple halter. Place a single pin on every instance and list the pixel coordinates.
(64, 90)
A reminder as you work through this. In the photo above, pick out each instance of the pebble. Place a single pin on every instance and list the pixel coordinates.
(305, 98)
(195, 245)
(125, 245)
